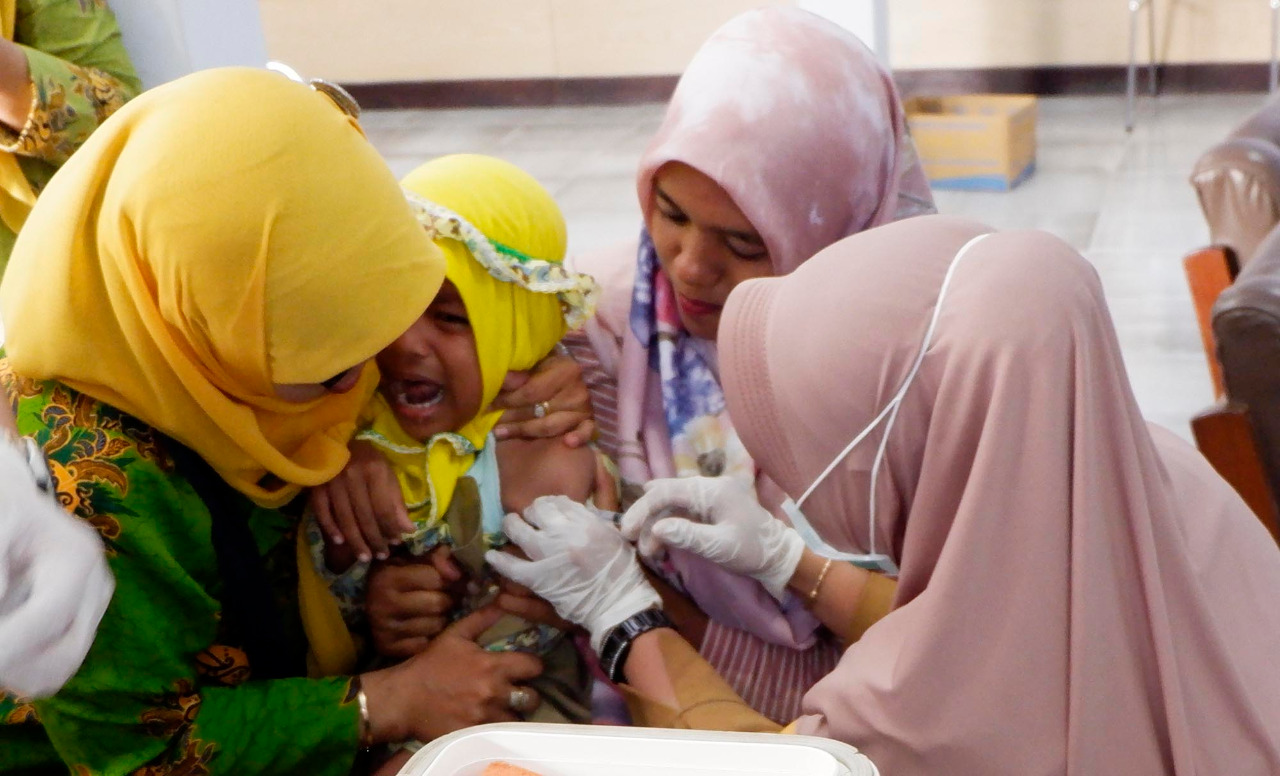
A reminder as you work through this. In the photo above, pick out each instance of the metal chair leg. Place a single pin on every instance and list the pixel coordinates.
(1151, 46)
(1133, 45)
(1275, 44)
(1131, 87)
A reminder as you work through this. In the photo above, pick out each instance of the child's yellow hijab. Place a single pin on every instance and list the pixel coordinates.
(516, 324)
(520, 302)
(224, 232)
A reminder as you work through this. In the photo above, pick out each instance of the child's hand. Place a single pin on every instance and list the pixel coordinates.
(409, 603)
(363, 505)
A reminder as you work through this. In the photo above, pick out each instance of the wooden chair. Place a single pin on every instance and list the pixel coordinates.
(1225, 436)
(1224, 433)
(1209, 272)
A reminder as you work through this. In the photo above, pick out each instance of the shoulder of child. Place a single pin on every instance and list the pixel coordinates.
(531, 468)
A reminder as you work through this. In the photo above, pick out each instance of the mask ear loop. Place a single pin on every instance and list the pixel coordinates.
(896, 402)
(891, 408)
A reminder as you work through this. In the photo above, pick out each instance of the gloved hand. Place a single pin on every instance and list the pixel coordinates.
(719, 519)
(578, 562)
(54, 582)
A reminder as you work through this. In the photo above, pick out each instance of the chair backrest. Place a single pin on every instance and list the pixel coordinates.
(1225, 436)
(1209, 272)
(1238, 183)
(1246, 328)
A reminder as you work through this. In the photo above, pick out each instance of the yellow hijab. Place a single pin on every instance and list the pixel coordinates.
(224, 232)
(16, 194)
(517, 318)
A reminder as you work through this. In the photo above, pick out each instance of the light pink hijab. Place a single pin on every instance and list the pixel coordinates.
(1080, 593)
(796, 120)
(793, 117)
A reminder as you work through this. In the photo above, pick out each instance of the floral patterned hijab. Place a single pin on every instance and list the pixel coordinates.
(797, 121)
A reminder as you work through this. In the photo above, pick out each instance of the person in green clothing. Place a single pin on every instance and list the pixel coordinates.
(191, 315)
(63, 71)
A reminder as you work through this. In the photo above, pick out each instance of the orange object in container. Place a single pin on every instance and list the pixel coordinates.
(521, 749)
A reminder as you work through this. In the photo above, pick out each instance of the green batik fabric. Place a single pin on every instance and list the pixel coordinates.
(161, 691)
(81, 74)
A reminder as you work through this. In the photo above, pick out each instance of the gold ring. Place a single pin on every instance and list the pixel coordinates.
(541, 409)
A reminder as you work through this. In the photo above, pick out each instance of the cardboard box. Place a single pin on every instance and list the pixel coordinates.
(587, 750)
(975, 142)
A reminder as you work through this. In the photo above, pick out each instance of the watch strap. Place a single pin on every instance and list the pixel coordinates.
(617, 644)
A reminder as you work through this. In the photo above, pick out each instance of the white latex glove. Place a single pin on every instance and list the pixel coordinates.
(578, 562)
(54, 583)
(719, 519)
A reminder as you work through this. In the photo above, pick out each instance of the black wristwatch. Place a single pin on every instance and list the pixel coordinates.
(617, 644)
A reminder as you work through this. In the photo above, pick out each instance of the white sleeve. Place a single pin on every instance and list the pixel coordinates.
(54, 580)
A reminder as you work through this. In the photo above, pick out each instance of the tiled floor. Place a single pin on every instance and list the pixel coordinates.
(1123, 200)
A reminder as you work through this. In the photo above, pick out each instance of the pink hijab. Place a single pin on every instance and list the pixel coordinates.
(794, 118)
(1080, 593)
(797, 121)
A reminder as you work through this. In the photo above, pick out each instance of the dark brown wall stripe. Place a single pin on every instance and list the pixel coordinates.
(540, 92)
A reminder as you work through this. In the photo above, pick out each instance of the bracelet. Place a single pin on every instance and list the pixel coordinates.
(813, 594)
(362, 702)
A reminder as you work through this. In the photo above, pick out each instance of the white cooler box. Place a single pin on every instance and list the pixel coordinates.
(583, 750)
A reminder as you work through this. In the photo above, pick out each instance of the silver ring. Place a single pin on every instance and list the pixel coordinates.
(541, 409)
(521, 699)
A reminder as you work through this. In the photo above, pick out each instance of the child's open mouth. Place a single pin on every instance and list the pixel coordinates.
(413, 398)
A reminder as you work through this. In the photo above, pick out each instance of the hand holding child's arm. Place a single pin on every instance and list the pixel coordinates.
(362, 507)
(549, 402)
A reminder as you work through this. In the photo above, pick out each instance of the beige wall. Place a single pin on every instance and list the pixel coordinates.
(1004, 33)
(411, 40)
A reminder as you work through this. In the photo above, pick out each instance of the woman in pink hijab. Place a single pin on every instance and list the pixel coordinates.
(783, 136)
(1079, 593)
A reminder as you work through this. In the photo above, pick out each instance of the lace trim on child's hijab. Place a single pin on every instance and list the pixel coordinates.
(578, 292)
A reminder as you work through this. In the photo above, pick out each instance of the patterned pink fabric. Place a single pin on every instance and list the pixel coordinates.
(770, 677)
(1080, 593)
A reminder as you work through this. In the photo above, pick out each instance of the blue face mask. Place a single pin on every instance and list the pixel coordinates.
(875, 561)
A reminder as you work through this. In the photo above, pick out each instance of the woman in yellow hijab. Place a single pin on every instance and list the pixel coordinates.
(190, 321)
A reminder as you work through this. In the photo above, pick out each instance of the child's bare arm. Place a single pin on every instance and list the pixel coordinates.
(531, 468)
